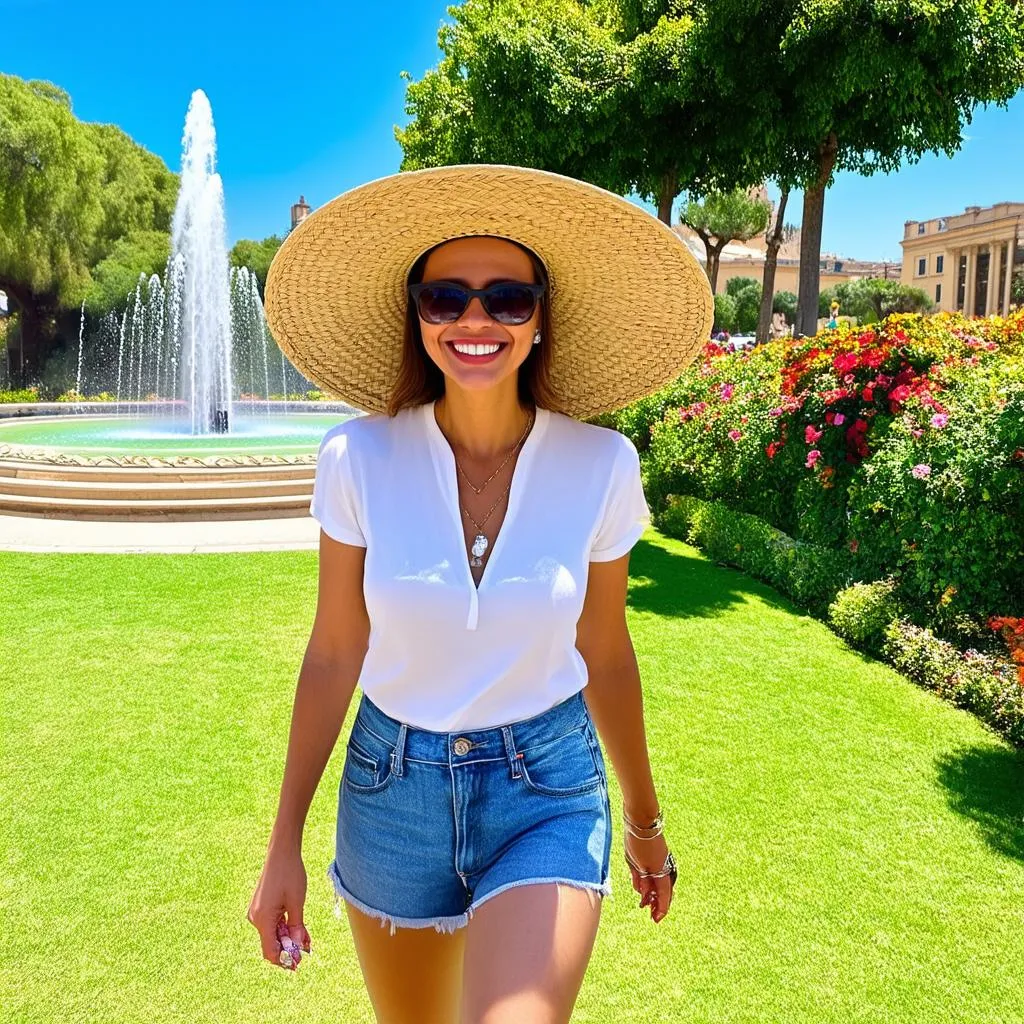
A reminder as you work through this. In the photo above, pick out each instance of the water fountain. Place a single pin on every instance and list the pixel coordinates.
(190, 368)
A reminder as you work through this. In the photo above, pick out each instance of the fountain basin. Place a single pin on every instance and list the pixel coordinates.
(125, 468)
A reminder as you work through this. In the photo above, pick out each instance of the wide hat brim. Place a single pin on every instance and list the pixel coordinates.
(629, 305)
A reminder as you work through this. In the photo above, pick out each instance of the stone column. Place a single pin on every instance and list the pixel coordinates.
(969, 282)
(1011, 251)
(992, 293)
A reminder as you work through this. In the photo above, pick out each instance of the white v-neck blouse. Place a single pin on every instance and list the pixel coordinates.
(443, 654)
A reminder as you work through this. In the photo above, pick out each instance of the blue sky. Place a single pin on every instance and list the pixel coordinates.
(305, 97)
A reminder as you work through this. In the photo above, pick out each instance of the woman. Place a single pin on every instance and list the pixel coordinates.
(474, 548)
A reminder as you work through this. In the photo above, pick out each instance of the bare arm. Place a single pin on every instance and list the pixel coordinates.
(327, 680)
(613, 693)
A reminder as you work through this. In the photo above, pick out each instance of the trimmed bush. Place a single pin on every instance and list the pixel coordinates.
(860, 612)
(982, 684)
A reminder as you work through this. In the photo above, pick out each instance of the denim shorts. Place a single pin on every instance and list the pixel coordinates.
(433, 824)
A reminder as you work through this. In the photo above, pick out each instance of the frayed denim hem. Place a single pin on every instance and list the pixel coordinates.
(439, 924)
(601, 888)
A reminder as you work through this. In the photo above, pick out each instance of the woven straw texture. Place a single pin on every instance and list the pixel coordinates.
(630, 306)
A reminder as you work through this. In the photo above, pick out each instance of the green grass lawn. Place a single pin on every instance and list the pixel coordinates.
(850, 847)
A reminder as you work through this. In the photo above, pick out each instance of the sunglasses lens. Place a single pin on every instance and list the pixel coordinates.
(510, 304)
(441, 304)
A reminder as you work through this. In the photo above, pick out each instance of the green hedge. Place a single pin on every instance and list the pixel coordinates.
(868, 615)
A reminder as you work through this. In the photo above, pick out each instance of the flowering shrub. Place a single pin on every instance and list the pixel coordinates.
(1012, 631)
(978, 682)
(902, 444)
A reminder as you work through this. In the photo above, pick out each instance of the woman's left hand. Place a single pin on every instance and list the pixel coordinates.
(650, 855)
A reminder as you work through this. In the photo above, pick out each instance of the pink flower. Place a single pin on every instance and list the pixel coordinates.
(917, 433)
(735, 434)
(726, 392)
(921, 471)
(810, 434)
(840, 419)
(940, 419)
(812, 458)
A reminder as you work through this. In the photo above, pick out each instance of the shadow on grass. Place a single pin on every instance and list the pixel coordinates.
(667, 583)
(986, 784)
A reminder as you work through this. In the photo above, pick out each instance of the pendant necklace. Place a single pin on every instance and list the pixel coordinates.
(480, 542)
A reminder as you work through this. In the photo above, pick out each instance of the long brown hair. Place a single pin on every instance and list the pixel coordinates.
(419, 378)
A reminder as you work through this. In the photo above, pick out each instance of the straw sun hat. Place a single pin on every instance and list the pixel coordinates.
(629, 305)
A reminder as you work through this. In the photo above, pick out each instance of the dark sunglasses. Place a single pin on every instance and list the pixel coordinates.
(507, 302)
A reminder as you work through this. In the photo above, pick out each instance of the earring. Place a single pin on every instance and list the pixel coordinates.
(536, 338)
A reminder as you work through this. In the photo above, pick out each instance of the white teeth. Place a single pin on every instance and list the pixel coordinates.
(476, 350)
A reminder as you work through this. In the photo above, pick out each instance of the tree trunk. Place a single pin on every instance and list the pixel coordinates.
(667, 194)
(810, 239)
(771, 259)
(714, 260)
(36, 327)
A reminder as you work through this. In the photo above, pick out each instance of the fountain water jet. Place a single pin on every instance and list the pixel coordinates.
(199, 261)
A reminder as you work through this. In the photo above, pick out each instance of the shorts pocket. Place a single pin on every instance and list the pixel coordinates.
(564, 766)
(367, 761)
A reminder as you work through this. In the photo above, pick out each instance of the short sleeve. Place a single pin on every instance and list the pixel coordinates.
(625, 515)
(335, 503)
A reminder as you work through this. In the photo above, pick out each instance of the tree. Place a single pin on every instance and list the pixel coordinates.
(68, 191)
(532, 83)
(597, 90)
(773, 242)
(1017, 287)
(116, 275)
(746, 291)
(723, 218)
(703, 96)
(725, 313)
(256, 256)
(785, 303)
(873, 83)
(873, 299)
(815, 86)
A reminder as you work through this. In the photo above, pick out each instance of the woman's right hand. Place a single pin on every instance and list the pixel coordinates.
(278, 900)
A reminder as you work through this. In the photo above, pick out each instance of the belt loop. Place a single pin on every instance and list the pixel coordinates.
(510, 750)
(398, 752)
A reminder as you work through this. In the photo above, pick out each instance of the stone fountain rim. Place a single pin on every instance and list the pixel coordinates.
(51, 457)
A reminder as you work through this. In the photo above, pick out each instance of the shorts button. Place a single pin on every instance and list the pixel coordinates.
(462, 746)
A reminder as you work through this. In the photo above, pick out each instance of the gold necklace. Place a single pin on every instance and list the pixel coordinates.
(480, 541)
(511, 452)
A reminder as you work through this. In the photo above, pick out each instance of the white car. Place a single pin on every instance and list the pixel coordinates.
(743, 341)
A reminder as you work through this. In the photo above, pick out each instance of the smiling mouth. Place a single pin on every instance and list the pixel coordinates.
(476, 351)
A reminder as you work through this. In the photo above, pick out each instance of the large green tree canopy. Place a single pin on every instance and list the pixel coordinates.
(665, 96)
(818, 86)
(70, 191)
